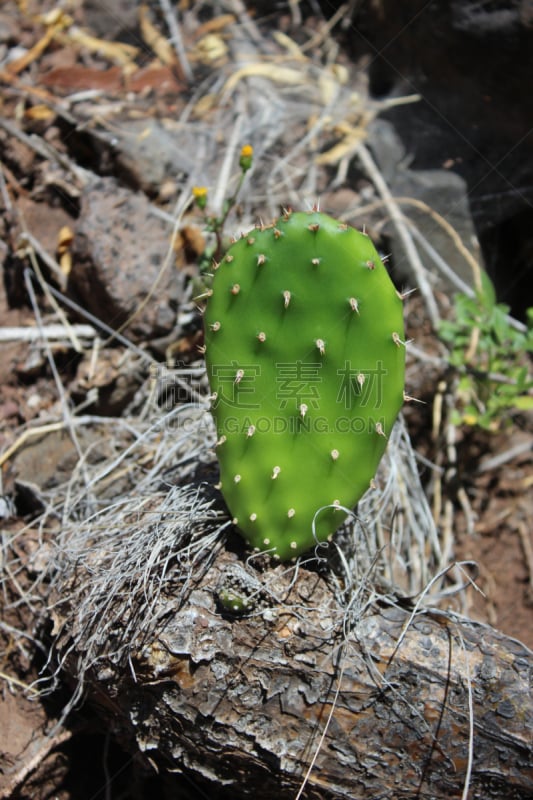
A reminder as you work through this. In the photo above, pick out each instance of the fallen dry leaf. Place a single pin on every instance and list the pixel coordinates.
(155, 39)
(160, 79)
(117, 52)
(78, 78)
(64, 242)
(272, 72)
(348, 144)
(38, 113)
(211, 49)
(214, 25)
(20, 64)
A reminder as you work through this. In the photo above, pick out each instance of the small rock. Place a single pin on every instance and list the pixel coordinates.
(442, 191)
(119, 250)
(150, 153)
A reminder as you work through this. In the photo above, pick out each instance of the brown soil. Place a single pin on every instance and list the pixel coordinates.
(494, 528)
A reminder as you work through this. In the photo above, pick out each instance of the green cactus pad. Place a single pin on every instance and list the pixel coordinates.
(305, 358)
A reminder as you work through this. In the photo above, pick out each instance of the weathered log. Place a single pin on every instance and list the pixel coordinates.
(387, 705)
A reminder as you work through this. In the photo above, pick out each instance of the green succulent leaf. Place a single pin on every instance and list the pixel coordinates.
(305, 356)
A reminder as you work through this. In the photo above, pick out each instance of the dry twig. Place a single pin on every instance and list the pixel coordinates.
(402, 228)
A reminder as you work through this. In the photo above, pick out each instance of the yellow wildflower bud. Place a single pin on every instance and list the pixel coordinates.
(200, 196)
(247, 154)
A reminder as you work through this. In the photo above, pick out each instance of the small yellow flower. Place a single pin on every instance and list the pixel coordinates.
(200, 196)
(247, 154)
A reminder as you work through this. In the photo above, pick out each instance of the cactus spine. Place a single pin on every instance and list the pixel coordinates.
(305, 357)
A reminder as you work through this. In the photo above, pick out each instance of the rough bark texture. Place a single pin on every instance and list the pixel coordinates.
(243, 701)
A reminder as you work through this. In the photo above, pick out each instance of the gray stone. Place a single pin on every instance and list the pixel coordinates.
(119, 250)
(443, 191)
(150, 152)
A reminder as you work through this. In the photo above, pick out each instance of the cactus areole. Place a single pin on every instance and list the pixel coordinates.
(305, 358)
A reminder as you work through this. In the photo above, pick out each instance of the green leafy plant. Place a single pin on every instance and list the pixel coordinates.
(492, 358)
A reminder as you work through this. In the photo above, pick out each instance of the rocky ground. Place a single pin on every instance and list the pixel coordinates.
(110, 115)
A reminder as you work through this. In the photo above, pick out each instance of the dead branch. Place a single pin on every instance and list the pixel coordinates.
(244, 700)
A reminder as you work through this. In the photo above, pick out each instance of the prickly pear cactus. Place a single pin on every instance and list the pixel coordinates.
(305, 358)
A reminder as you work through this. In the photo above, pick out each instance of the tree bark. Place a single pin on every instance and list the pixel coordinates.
(388, 706)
